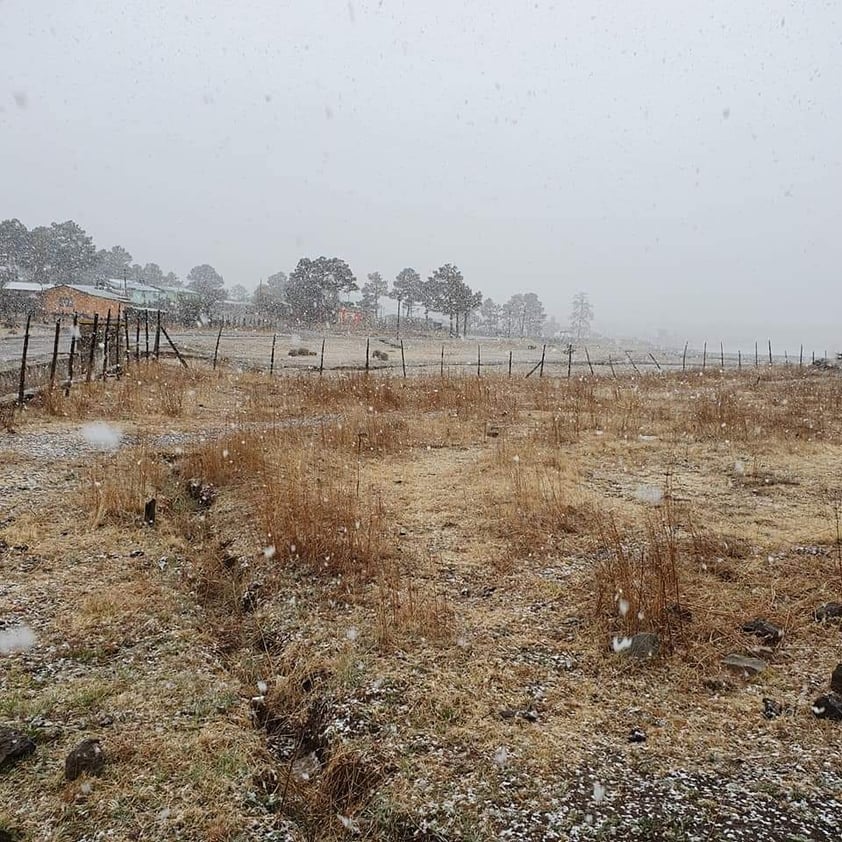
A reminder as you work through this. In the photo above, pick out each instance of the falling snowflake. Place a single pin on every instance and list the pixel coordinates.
(102, 436)
(17, 639)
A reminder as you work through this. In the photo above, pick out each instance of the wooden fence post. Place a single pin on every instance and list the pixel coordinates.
(569, 359)
(801, 357)
(158, 328)
(611, 364)
(770, 352)
(118, 327)
(216, 349)
(146, 326)
(75, 330)
(756, 357)
(172, 345)
(442, 361)
(541, 364)
(54, 361)
(655, 361)
(137, 340)
(510, 363)
(704, 356)
(367, 349)
(105, 343)
(684, 358)
(588, 358)
(22, 384)
(94, 330)
(479, 361)
(722, 355)
(631, 360)
(403, 355)
(739, 360)
(128, 344)
(322, 358)
(272, 356)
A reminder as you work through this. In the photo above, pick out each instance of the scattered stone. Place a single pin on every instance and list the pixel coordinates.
(637, 735)
(743, 663)
(765, 631)
(202, 492)
(380, 355)
(772, 709)
(251, 597)
(642, 645)
(87, 758)
(300, 352)
(14, 746)
(828, 706)
(530, 714)
(136, 553)
(828, 612)
(836, 679)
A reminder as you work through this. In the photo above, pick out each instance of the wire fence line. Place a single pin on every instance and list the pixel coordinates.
(120, 345)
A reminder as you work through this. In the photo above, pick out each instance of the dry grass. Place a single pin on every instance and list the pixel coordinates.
(444, 549)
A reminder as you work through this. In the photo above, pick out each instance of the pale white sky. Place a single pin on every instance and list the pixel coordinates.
(680, 162)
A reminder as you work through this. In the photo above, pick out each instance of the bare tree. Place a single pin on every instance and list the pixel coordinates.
(581, 316)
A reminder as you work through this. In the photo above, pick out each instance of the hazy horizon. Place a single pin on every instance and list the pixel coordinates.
(681, 165)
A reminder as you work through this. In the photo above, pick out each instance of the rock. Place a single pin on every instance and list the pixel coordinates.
(149, 511)
(828, 612)
(14, 746)
(772, 709)
(836, 679)
(637, 735)
(642, 645)
(828, 706)
(87, 758)
(743, 663)
(251, 598)
(769, 633)
(202, 492)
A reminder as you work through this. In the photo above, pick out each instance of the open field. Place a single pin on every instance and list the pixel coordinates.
(379, 608)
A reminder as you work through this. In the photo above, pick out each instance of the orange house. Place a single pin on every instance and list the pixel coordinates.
(67, 299)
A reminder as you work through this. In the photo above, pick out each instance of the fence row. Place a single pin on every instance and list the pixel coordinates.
(98, 350)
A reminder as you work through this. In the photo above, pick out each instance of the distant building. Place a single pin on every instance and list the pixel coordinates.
(67, 299)
(141, 295)
(21, 297)
(350, 316)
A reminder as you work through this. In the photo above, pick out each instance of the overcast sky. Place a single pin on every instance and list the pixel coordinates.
(682, 163)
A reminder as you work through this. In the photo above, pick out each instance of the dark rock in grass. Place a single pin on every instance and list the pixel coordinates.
(744, 664)
(87, 758)
(643, 645)
(828, 706)
(202, 492)
(828, 612)
(836, 679)
(637, 735)
(14, 746)
(765, 631)
(251, 598)
(772, 709)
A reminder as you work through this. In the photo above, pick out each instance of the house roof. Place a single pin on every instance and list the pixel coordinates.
(96, 292)
(25, 286)
(135, 286)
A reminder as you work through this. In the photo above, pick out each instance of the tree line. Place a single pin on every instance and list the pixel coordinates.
(312, 294)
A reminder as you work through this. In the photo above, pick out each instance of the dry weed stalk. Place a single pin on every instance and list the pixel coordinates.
(638, 585)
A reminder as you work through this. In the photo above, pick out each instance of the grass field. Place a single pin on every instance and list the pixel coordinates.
(386, 609)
